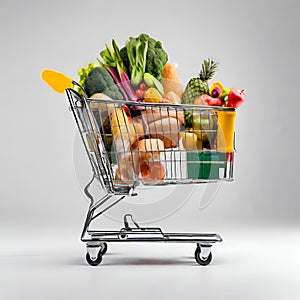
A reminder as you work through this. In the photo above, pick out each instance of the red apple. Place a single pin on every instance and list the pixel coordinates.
(236, 97)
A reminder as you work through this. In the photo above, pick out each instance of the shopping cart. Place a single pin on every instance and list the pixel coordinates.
(131, 144)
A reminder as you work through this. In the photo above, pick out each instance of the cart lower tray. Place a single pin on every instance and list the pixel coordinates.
(97, 240)
(152, 235)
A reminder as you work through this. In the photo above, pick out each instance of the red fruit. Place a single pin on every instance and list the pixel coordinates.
(143, 86)
(208, 100)
(201, 100)
(236, 97)
(214, 101)
(139, 94)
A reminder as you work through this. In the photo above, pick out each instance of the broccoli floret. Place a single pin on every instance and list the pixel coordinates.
(143, 37)
(96, 81)
(100, 81)
(156, 57)
(156, 60)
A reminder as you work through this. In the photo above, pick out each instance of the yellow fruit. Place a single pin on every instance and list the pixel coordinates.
(152, 95)
(216, 89)
(189, 140)
(199, 144)
(204, 125)
(119, 121)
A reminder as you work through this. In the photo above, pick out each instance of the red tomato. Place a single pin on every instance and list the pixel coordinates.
(139, 94)
(143, 86)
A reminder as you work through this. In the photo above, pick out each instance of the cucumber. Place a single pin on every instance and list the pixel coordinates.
(151, 81)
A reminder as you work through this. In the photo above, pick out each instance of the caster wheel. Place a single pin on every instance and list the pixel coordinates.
(202, 261)
(103, 248)
(94, 262)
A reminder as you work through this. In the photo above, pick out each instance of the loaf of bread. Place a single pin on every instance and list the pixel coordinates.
(166, 129)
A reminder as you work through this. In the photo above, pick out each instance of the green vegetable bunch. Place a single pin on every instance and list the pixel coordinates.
(123, 69)
(137, 51)
(156, 56)
(112, 58)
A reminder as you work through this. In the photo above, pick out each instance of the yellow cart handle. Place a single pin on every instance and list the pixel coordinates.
(58, 81)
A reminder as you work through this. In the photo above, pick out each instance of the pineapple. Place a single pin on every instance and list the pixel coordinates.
(199, 85)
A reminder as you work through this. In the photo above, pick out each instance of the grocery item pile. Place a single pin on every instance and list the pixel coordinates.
(137, 135)
(141, 71)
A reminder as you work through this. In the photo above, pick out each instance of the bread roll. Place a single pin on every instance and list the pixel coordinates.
(149, 149)
(154, 114)
(126, 136)
(166, 129)
(153, 172)
(128, 166)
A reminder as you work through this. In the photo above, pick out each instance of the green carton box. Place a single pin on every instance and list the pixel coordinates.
(205, 165)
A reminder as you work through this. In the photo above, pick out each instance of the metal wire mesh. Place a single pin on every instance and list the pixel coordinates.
(155, 143)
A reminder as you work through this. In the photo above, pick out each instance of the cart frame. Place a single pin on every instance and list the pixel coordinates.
(96, 240)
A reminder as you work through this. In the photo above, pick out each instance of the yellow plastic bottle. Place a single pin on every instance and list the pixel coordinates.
(225, 136)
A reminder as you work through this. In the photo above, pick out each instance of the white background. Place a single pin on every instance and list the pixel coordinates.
(42, 207)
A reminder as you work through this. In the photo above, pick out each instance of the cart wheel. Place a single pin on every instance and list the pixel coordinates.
(103, 248)
(94, 262)
(202, 261)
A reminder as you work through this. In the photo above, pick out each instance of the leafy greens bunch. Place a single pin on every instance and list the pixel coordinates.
(144, 54)
(125, 67)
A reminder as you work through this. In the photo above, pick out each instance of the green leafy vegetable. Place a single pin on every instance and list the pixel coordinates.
(156, 57)
(137, 51)
(83, 74)
(112, 61)
(112, 58)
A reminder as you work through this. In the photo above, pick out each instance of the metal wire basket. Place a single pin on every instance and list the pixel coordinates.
(131, 143)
